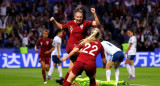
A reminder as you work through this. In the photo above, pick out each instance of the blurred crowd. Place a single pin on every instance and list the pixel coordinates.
(23, 21)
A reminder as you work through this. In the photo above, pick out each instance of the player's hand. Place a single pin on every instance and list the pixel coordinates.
(63, 59)
(58, 56)
(93, 10)
(104, 66)
(47, 52)
(124, 54)
(52, 18)
(36, 50)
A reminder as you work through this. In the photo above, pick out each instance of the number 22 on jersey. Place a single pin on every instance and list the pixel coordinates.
(91, 49)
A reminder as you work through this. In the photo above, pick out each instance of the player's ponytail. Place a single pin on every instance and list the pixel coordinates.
(95, 34)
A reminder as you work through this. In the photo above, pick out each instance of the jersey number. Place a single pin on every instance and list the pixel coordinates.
(94, 48)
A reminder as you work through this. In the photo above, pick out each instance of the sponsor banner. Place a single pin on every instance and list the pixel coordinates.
(30, 60)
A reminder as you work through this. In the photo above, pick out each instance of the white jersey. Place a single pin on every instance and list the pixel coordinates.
(56, 40)
(133, 41)
(110, 48)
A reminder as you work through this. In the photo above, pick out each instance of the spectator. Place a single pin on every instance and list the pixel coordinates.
(25, 37)
(3, 22)
(9, 44)
(16, 43)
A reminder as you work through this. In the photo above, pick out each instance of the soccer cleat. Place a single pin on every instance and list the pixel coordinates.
(130, 77)
(48, 77)
(60, 81)
(133, 77)
(45, 82)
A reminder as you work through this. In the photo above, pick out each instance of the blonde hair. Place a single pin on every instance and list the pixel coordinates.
(95, 34)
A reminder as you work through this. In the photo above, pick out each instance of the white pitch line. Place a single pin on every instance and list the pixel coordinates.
(138, 84)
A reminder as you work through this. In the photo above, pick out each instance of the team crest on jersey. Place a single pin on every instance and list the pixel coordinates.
(71, 29)
(81, 26)
(47, 42)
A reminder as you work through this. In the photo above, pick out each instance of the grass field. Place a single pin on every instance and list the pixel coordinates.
(145, 76)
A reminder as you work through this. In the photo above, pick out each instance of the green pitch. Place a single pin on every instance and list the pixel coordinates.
(145, 76)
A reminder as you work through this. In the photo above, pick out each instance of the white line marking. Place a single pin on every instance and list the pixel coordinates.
(138, 84)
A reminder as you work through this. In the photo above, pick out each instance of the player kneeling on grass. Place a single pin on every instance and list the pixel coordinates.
(56, 54)
(86, 60)
(45, 52)
(116, 59)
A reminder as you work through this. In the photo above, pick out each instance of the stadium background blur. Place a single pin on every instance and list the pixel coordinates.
(23, 21)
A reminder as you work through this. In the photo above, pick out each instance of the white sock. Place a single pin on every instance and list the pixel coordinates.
(108, 74)
(51, 70)
(60, 71)
(128, 69)
(116, 74)
(133, 70)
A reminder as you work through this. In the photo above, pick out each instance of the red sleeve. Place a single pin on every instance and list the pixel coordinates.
(89, 24)
(102, 52)
(65, 26)
(38, 42)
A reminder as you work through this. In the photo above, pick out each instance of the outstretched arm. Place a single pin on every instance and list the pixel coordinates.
(96, 20)
(56, 23)
(70, 54)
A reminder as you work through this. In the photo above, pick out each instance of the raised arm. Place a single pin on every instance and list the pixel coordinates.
(96, 20)
(56, 23)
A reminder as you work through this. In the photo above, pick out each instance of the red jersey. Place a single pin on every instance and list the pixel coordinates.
(46, 45)
(90, 52)
(77, 32)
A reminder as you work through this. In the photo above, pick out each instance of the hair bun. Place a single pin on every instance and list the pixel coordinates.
(78, 10)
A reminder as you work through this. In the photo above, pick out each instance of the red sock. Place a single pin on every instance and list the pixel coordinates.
(44, 75)
(92, 82)
(66, 83)
(65, 79)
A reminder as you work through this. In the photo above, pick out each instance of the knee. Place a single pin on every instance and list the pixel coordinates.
(43, 68)
(47, 68)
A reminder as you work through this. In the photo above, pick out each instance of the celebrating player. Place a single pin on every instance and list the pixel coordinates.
(87, 58)
(131, 54)
(45, 52)
(78, 31)
(116, 59)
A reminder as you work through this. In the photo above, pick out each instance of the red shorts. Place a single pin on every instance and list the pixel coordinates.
(80, 66)
(45, 58)
(69, 48)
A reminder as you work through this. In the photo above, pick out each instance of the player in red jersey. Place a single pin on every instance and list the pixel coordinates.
(45, 52)
(78, 31)
(86, 60)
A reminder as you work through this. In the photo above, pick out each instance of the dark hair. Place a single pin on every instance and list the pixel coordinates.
(78, 10)
(58, 31)
(131, 30)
